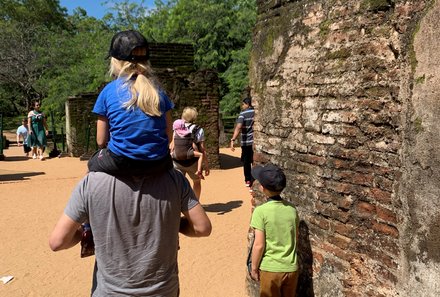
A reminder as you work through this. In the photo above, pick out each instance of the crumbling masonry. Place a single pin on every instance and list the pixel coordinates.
(347, 101)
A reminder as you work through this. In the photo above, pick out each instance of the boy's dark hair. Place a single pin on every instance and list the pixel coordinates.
(270, 176)
(247, 101)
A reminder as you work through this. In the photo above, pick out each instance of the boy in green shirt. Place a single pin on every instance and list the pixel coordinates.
(274, 252)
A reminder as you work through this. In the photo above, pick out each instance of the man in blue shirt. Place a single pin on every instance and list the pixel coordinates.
(245, 126)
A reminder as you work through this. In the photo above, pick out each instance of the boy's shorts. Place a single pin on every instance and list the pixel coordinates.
(278, 283)
(26, 149)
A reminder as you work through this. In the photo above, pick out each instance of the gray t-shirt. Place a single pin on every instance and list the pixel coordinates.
(135, 224)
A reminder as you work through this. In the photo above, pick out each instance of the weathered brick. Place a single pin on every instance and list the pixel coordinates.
(343, 229)
(354, 177)
(356, 155)
(365, 209)
(332, 211)
(385, 229)
(340, 117)
(319, 138)
(386, 215)
(380, 195)
(338, 252)
(344, 188)
(340, 130)
(340, 241)
(312, 159)
(325, 197)
(320, 221)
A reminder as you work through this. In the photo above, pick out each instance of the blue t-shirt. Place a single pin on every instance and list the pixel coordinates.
(133, 133)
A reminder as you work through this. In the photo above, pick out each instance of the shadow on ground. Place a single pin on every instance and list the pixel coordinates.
(229, 162)
(222, 208)
(17, 176)
(16, 158)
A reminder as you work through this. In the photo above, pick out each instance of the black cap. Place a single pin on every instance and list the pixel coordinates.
(247, 101)
(124, 42)
(270, 177)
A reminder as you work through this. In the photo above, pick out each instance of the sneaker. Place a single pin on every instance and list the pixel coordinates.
(41, 157)
(248, 184)
(34, 156)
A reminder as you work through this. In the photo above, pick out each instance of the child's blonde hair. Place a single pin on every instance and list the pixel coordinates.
(189, 114)
(144, 92)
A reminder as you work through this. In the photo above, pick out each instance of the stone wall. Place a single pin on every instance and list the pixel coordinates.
(174, 67)
(347, 100)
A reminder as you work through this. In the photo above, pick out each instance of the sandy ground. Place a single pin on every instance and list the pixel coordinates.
(33, 194)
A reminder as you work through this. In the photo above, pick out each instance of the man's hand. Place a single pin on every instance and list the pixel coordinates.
(232, 145)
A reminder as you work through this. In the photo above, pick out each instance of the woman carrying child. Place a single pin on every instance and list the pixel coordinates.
(191, 165)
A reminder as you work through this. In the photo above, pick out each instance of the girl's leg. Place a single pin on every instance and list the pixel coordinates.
(199, 161)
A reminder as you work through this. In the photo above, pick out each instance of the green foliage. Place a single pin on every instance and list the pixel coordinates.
(219, 30)
(49, 55)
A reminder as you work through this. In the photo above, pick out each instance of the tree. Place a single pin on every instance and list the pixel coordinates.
(25, 26)
(219, 30)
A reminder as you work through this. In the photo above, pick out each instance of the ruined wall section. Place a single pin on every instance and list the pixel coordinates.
(420, 186)
(174, 67)
(326, 79)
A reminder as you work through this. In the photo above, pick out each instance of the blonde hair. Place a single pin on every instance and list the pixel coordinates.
(144, 92)
(189, 114)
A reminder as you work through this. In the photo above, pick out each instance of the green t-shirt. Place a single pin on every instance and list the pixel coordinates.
(278, 219)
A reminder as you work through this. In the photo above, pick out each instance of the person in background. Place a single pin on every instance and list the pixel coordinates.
(184, 146)
(22, 132)
(136, 222)
(245, 126)
(190, 167)
(134, 127)
(275, 223)
(38, 130)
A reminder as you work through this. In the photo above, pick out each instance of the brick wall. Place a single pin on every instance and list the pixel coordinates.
(339, 90)
(173, 65)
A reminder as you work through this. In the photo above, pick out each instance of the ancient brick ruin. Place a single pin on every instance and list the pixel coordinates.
(174, 67)
(347, 102)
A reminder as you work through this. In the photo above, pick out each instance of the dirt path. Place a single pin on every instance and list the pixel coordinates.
(33, 194)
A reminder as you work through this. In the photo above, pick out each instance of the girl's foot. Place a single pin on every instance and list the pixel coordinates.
(41, 157)
(34, 156)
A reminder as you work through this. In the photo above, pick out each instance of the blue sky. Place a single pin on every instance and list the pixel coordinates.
(95, 8)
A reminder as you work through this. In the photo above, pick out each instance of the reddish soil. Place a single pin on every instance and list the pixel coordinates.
(33, 194)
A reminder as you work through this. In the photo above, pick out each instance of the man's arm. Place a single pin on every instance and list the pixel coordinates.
(102, 131)
(67, 233)
(195, 222)
(257, 253)
(237, 131)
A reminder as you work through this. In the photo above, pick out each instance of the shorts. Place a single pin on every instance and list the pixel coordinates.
(191, 170)
(26, 148)
(278, 283)
(106, 161)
